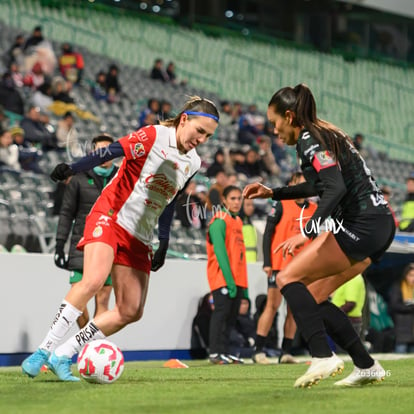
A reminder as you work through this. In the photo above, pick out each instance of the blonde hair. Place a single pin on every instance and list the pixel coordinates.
(194, 104)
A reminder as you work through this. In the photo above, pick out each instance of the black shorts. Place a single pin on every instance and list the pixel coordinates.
(366, 236)
(271, 281)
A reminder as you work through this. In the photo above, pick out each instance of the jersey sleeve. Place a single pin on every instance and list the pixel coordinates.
(138, 143)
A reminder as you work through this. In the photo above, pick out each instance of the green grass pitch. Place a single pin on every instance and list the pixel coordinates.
(147, 387)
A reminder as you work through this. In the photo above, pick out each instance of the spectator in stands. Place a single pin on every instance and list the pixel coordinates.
(16, 75)
(358, 141)
(214, 196)
(42, 97)
(34, 77)
(282, 222)
(189, 208)
(387, 192)
(227, 116)
(165, 110)
(350, 298)
(172, 76)
(226, 273)
(279, 152)
(267, 159)
(251, 126)
(79, 196)
(37, 130)
(149, 115)
(402, 311)
(71, 64)
(67, 136)
(10, 98)
(407, 212)
(98, 89)
(15, 53)
(9, 152)
(251, 169)
(158, 72)
(249, 231)
(34, 39)
(4, 120)
(113, 87)
(61, 90)
(124, 239)
(217, 164)
(29, 156)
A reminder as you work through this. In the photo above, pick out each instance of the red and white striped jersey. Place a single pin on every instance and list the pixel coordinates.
(151, 174)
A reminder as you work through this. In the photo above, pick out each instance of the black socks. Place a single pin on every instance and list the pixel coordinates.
(308, 319)
(343, 333)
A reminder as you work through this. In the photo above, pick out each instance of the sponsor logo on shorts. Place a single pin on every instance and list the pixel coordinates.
(97, 232)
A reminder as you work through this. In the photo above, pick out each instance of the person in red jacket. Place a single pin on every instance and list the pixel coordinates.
(226, 273)
(71, 64)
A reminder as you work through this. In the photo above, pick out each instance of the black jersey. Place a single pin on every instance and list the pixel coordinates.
(362, 194)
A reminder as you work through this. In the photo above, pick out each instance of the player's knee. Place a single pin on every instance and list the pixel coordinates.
(130, 313)
(282, 279)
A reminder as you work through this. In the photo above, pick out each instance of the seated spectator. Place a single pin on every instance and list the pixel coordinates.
(4, 120)
(280, 153)
(227, 115)
(267, 159)
(172, 76)
(407, 212)
(165, 111)
(251, 167)
(71, 64)
(189, 208)
(34, 39)
(358, 141)
(67, 135)
(98, 89)
(15, 53)
(214, 196)
(16, 75)
(153, 107)
(113, 87)
(34, 77)
(42, 98)
(10, 98)
(60, 90)
(29, 156)
(37, 129)
(251, 126)
(9, 152)
(402, 311)
(217, 164)
(158, 72)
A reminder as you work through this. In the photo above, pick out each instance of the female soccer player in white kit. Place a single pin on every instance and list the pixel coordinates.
(158, 162)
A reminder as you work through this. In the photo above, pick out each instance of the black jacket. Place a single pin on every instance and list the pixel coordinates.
(403, 316)
(79, 197)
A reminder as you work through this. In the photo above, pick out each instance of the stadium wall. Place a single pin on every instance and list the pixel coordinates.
(34, 287)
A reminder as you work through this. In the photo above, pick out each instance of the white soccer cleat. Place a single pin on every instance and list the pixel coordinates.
(319, 369)
(365, 376)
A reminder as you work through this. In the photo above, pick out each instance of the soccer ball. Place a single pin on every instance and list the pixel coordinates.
(101, 362)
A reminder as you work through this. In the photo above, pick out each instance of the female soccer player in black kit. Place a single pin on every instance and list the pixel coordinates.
(359, 229)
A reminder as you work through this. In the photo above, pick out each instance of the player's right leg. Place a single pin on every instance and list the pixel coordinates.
(98, 259)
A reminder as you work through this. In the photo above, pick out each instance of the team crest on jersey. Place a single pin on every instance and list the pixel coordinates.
(325, 158)
(139, 150)
(97, 232)
(187, 169)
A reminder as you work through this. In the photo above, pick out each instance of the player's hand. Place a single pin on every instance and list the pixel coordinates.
(290, 245)
(267, 270)
(60, 258)
(61, 172)
(159, 256)
(257, 190)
